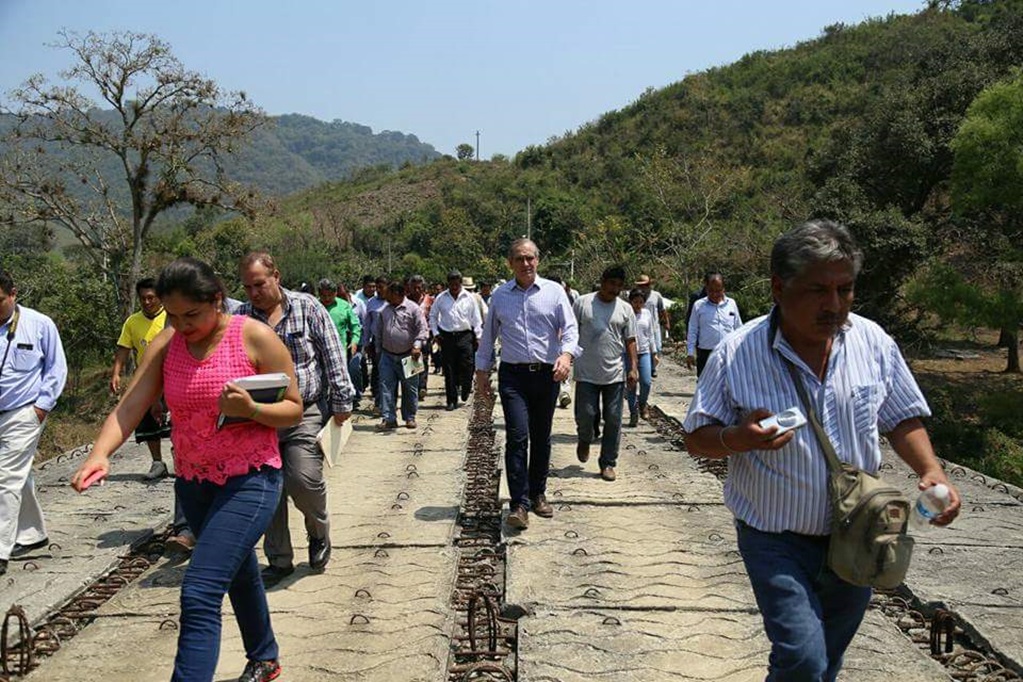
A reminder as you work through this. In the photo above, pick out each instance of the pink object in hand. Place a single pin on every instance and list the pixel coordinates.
(93, 477)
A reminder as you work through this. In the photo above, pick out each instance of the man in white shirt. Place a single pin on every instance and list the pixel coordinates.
(714, 317)
(457, 325)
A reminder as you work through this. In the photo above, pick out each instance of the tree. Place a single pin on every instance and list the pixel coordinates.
(987, 174)
(161, 147)
(465, 152)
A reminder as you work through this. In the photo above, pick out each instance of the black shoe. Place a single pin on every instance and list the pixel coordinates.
(261, 671)
(319, 553)
(272, 575)
(3, 566)
(451, 406)
(25, 549)
(465, 396)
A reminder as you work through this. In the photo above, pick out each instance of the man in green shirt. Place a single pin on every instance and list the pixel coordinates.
(343, 314)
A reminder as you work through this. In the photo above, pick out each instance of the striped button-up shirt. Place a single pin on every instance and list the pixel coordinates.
(398, 329)
(533, 325)
(312, 339)
(867, 390)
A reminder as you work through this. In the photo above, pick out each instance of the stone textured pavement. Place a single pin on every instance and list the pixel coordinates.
(633, 580)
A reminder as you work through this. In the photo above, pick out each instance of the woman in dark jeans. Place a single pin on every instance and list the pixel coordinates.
(228, 479)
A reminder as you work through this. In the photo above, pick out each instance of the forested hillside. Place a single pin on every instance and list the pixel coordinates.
(295, 152)
(855, 125)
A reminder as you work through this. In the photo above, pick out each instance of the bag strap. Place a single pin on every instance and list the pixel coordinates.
(834, 463)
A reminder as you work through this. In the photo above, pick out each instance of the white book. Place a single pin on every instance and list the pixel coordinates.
(264, 388)
(411, 367)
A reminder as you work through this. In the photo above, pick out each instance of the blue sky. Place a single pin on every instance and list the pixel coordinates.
(519, 71)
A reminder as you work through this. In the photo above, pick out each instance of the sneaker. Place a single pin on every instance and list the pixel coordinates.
(608, 473)
(272, 575)
(261, 671)
(564, 400)
(518, 518)
(20, 549)
(541, 507)
(181, 543)
(157, 470)
(634, 419)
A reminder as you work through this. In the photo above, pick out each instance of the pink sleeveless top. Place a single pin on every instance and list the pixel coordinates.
(192, 389)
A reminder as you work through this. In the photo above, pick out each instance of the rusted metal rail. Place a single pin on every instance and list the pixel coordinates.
(23, 653)
(483, 643)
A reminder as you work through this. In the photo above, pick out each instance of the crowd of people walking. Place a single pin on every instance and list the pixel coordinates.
(237, 461)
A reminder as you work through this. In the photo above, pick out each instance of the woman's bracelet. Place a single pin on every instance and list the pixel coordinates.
(721, 439)
(255, 411)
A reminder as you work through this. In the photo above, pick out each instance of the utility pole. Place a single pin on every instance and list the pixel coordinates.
(529, 219)
(477, 145)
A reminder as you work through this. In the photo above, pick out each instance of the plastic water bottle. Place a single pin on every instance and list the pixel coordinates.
(929, 505)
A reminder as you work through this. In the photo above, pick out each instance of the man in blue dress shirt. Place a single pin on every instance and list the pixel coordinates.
(533, 320)
(777, 483)
(32, 375)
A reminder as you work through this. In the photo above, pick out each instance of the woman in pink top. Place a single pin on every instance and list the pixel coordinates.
(229, 479)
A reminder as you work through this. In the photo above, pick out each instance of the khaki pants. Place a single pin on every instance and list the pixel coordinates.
(21, 516)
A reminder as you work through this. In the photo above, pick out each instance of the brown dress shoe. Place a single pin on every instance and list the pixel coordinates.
(608, 473)
(518, 518)
(541, 507)
(644, 412)
(582, 452)
(410, 424)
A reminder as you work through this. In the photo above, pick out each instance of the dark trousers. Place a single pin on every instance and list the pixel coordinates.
(227, 520)
(527, 400)
(456, 348)
(588, 399)
(701, 359)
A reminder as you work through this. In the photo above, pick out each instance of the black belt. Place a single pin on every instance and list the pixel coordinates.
(528, 366)
(402, 353)
(464, 331)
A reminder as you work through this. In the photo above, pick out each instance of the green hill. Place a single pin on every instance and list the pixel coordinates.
(854, 125)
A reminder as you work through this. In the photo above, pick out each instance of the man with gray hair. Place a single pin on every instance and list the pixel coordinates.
(533, 320)
(777, 482)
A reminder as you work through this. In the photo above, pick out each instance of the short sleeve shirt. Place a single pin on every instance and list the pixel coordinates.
(138, 331)
(604, 329)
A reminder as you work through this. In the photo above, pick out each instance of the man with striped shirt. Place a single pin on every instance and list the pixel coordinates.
(777, 484)
(533, 319)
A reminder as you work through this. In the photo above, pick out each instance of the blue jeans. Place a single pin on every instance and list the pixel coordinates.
(391, 375)
(646, 380)
(588, 400)
(355, 372)
(810, 614)
(227, 521)
(527, 400)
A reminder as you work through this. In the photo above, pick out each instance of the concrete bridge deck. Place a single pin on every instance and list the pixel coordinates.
(633, 580)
